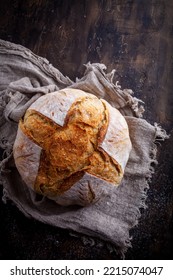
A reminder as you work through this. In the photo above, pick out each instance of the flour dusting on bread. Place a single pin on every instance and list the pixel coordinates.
(83, 142)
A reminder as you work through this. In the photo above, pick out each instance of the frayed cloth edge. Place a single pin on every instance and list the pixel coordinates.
(160, 136)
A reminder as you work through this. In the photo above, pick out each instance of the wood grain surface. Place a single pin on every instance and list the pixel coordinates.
(135, 37)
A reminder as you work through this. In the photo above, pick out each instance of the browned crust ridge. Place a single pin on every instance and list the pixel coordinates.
(71, 150)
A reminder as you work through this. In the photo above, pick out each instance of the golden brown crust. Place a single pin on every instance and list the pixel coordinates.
(38, 127)
(103, 166)
(70, 150)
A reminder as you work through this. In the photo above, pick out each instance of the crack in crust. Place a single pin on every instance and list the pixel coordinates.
(70, 150)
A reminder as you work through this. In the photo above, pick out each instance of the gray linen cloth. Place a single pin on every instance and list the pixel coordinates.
(24, 77)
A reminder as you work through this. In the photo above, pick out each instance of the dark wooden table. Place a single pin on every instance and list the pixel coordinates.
(136, 38)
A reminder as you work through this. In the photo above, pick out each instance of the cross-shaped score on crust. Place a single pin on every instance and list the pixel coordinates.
(73, 130)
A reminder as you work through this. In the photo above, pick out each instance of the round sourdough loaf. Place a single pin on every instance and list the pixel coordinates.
(72, 147)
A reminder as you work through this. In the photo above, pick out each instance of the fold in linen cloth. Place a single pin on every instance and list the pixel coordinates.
(24, 77)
